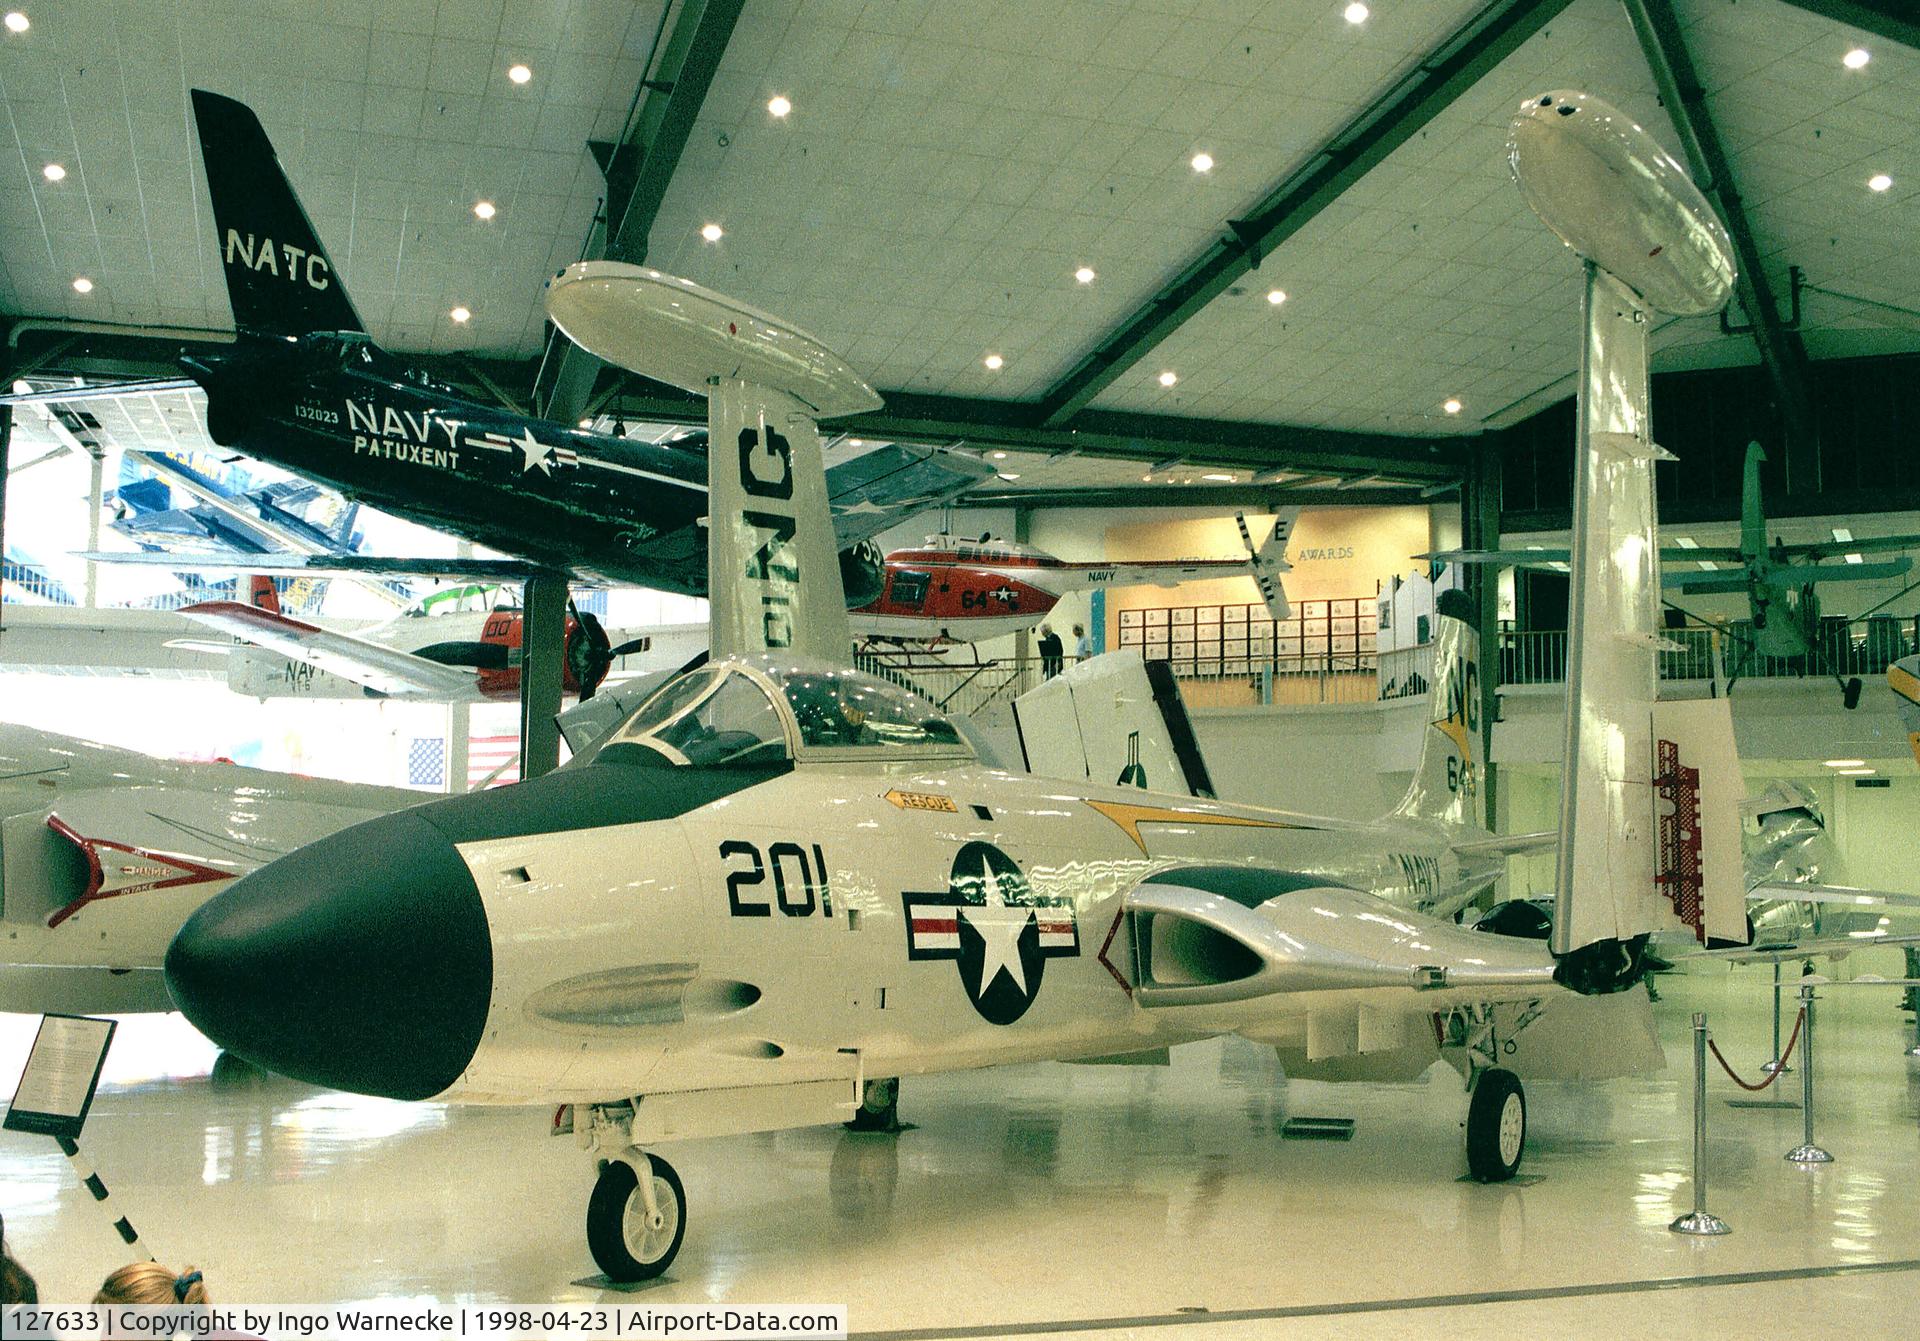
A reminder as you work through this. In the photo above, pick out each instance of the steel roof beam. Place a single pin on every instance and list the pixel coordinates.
(1895, 20)
(1781, 351)
(1259, 497)
(640, 169)
(1446, 72)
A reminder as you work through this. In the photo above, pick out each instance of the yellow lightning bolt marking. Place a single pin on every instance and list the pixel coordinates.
(1131, 817)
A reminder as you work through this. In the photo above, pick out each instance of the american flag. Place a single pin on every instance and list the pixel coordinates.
(427, 762)
(486, 753)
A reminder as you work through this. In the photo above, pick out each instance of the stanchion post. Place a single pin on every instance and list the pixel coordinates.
(1807, 1152)
(1699, 1221)
(1777, 1064)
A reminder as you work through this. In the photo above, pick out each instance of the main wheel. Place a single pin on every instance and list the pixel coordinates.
(626, 1247)
(879, 1108)
(1496, 1126)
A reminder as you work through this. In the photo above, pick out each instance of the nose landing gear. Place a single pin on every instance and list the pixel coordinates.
(635, 1224)
(637, 1215)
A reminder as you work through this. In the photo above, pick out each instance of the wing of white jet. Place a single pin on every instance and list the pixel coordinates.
(1845, 896)
(385, 670)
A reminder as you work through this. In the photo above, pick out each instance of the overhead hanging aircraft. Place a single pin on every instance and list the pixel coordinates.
(955, 589)
(781, 883)
(305, 388)
(459, 657)
(1780, 581)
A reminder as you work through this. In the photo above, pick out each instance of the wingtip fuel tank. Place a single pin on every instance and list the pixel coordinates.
(1608, 190)
(681, 333)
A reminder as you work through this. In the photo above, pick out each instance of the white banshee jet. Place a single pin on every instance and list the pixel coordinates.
(466, 656)
(104, 852)
(782, 883)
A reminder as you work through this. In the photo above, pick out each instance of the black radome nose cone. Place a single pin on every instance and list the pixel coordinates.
(361, 962)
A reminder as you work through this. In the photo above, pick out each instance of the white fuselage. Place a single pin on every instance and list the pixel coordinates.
(797, 993)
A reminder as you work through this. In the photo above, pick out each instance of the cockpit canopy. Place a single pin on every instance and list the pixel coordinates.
(767, 709)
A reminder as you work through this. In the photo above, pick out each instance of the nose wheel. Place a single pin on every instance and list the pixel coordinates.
(633, 1228)
(1496, 1126)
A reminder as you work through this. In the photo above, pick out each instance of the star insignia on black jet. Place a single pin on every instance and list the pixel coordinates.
(1001, 934)
(533, 452)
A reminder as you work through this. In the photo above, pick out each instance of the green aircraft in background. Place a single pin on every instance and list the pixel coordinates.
(1779, 580)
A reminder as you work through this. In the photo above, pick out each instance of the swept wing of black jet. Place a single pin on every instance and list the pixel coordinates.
(306, 388)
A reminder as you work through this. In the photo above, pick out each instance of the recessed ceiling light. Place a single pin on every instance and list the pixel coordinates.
(856, 442)
(483, 209)
(1218, 478)
(1856, 58)
(999, 456)
(712, 232)
(994, 362)
(778, 105)
(53, 172)
(1085, 274)
(1451, 405)
(1686, 542)
(1008, 475)
(83, 285)
(1853, 558)
(1276, 296)
(1844, 534)
(1169, 377)
(1879, 182)
(519, 74)
(1845, 763)
(1203, 162)
(17, 22)
(460, 314)
(1856, 772)
(1355, 12)
(1144, 479)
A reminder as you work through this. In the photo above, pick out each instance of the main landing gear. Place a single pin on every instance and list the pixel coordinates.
(879, 1108)
(637, 1215)
(1496, 1126)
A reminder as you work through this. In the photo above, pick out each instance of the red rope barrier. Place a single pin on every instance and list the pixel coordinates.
(1792, 1039)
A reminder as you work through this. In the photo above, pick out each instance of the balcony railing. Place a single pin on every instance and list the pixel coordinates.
(1863, 648)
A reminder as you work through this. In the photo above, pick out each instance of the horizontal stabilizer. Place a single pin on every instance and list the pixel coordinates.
(1845, 572)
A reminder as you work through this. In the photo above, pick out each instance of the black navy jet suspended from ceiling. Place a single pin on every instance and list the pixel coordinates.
(306, 388)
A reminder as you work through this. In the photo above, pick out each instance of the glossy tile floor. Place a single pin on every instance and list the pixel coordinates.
(1027, 1200)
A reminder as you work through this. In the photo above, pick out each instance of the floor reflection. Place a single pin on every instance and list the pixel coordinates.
(1140, 1189)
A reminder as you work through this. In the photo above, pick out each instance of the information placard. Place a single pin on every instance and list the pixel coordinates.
(56, 1089)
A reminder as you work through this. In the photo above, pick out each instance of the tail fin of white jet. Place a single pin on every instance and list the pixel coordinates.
(1269, 561)
(1903, 677)
(774, 569)
(1446, 781)
(1116, 719)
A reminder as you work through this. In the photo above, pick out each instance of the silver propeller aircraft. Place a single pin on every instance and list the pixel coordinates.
(783, 883)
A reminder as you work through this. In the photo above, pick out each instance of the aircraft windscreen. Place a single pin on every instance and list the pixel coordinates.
(842, 709)
(710, 719)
